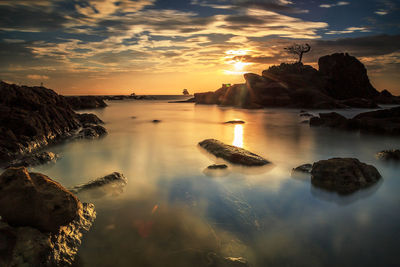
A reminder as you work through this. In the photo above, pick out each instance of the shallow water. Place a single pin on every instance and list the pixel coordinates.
(172, 214)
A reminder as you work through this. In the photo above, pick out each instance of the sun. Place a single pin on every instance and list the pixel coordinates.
(239, 65)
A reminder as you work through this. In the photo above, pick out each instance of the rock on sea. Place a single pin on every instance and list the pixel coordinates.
(114, 179)
(232, 154)
(388, 155)
(35, 159)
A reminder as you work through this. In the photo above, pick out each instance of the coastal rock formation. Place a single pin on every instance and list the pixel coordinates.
(389, 155)
(217, 167)
(341, 82)
(33, 199)
(115, 179)
(232, 154)
(35, 159)
(92, 132)
(31, 117)
(41, 222)
(305, 168)
(343, 175)
(89, 118)
(385, 121)
(85, 102)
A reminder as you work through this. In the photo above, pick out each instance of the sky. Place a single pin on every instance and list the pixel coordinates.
(163, 46)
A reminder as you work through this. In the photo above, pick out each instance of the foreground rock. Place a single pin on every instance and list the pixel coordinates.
(340, 82)
(386, 121)
(41, 222)
(35, 159)
(389, 155)
(85, 102)
(33, 199)
(89, 118)
(343, 175)
(232, 154)
(115, 179)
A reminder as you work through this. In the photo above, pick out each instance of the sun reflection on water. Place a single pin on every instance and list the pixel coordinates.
(238, 136)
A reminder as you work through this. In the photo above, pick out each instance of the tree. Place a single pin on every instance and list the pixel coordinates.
(185, 92)
(298, 49)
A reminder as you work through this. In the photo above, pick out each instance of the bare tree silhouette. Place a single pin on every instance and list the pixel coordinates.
(298, 49)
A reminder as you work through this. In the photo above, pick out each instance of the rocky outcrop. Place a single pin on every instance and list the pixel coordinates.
(92, 132)
(41, 222)
(35, 159)
(31, 117)
(305, 168)
(235, 122)
(343, 175)
(115, 179)
(385, 121)
(389, 155)
(85, 102)
(34, 117)
(233, 154)
(217, 166)
(341, 82)
(346, 77)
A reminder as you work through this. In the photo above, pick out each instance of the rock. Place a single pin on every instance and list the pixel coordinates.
(85, 102)
(385, 121)
(35, 200)
(235, 122)
(35, 159)
(133, 117)
(217, 166)
(27, 246)
(30, 118)
(359, 103)
(346, 77)
(190, 100)
(92, 132)
(389, 155)
(343, 175)
(89, 118)
(385, 97)
(305, 168)
(232, 154)
(115, 179)
(156, 121)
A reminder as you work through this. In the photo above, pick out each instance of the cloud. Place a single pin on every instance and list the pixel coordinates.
(349, 30)
(37, 77)
(341, 3)
(381, 12)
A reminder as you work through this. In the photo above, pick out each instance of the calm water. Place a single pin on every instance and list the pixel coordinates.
(172, 214)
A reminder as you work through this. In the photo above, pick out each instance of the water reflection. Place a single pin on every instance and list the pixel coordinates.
(238, 136)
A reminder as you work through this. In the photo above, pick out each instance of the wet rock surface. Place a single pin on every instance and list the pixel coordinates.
(389, 155)
(232, 154)
(340, 82)
(343, 175)
(35, 159)
(33, 199)
(114, 179)
(385, 121)
(85, 102)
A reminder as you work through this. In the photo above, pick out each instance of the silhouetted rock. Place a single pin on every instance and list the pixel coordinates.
(114, 179)
(156, 121)
(385, 121)
(346, 77)
(305, 168)
(359, 103)
(35, 159)
(235, 122)
(33, 199)
(31, 117)
(343, 175)
(385, 97)
(85, 102)
(27, 246)
(232, 154)
(190, 100)
(389, 155)
(217, 166)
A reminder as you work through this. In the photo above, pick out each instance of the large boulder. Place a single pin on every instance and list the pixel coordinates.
(35, 200)
(233, 154)
(31, 117)
(343, 175)
(346, 77)
(85, 102)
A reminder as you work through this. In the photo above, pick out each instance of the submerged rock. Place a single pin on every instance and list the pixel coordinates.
(217, 166)
(114, 179)
(393, 154)
(235, 122)
(232, 154)
(33, 199)
(35, 159)
(343, 175)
